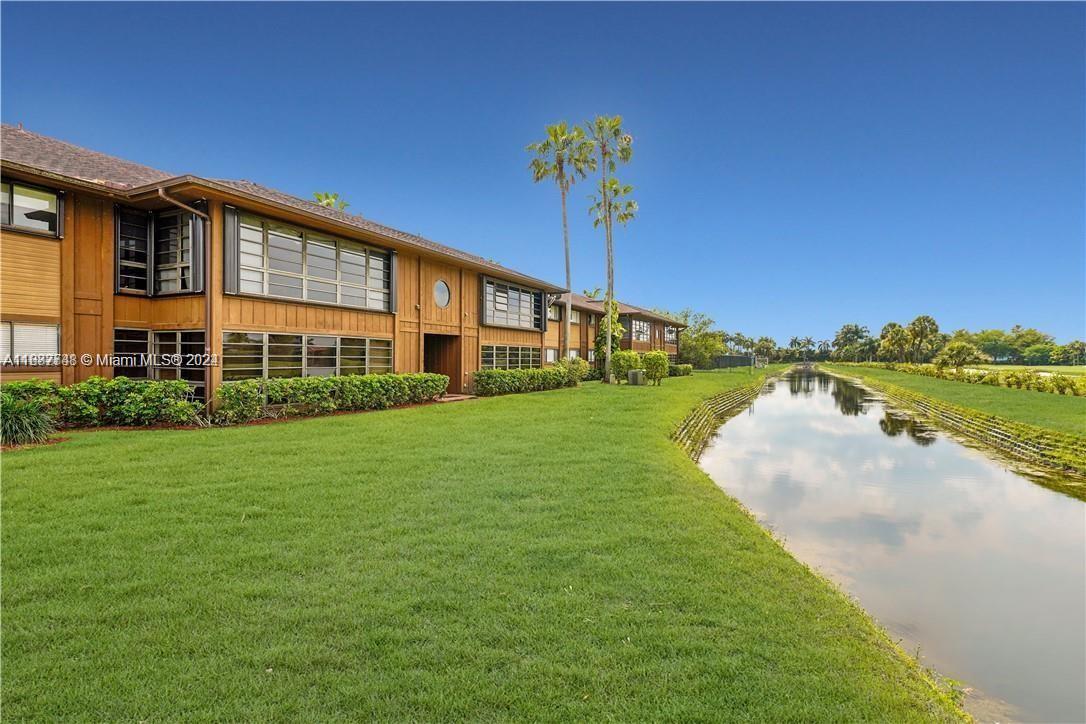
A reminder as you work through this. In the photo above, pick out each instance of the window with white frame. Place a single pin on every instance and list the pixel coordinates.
(554, 313)
(31, 208)
(551, 355)
(278, 260)
(248, 355)
(507, 305)
(575, 354)
(591, 355)
(641, 330)
(29, 345)
(503, 357)
(574, 316)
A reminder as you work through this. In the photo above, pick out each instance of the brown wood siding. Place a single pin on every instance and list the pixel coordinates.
(30, 279)
(184, 312)
(87, 281)
(263, 315)
(48, 374)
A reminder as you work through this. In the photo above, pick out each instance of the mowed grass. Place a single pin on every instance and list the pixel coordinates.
(1070, 370)
(550, 556)
(1063, 413)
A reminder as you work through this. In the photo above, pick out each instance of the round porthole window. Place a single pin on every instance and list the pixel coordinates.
(441, 293)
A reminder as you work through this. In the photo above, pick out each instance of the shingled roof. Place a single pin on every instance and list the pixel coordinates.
(596, 305)
(60, 158)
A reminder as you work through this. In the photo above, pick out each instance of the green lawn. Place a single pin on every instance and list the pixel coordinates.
(547, 556)
(1071, 370)
(1044, 409)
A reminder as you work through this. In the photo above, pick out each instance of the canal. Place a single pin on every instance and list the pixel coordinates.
(973, 566)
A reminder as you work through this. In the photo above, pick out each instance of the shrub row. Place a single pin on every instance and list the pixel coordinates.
(252, 399)
(120, 401)
(566, 373)
(680, 370)
(1055, 383)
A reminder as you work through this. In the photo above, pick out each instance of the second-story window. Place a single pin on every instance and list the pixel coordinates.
(158, 252)
(671, 335)
(283, 261)
(508, 305)
(574, 316)
(641, 330)
(31, 208)
(173, 252)
(554, 313)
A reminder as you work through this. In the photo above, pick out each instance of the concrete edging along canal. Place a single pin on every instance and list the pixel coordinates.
(697, 428)
(1046, 449)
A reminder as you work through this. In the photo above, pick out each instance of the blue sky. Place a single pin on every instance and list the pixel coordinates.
(797, 166)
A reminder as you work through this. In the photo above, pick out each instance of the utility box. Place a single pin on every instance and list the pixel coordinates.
(636, 377)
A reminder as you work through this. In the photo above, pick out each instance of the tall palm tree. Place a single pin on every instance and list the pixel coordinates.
(564, 156)
(807, 344)
(612, 145)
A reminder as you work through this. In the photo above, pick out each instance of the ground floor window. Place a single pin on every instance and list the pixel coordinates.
(248, 355)
(575, 354)
(32, 345)
(161, 355)
(552, 355)
(591, 355)
(502, 357)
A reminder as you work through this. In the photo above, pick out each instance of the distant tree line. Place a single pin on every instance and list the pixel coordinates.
(919, 341)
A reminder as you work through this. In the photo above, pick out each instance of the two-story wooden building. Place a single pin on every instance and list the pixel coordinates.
(645, 330)
(110, 267)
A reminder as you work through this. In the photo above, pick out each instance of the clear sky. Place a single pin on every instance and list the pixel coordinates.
(797, 166)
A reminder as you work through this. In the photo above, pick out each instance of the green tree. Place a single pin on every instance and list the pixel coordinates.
(602, 337)
(329, 200)
(958, 354)
(564, 156)
(1038, 354)
(1075, 353)
(847, 343)
(612, 145)
(923, 337)
(765, 347)
(894, 343)
(995, 343)
(656, 365)
(1025, 337)
(699, 341)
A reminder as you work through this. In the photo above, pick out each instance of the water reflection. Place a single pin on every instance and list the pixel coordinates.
(982, 570)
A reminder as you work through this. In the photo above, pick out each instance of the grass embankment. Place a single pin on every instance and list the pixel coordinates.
(1062, 413)
(544, 556)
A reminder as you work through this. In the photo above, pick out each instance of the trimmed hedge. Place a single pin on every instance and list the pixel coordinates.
(1055, 383)
(656, 365)
(680, 370)
(622, 362)
(506, 382)
(120, 401)
(252, 399)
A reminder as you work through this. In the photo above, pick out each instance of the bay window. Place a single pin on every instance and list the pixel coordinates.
(158, 252)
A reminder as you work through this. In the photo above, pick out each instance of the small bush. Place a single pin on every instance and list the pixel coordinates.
(680, 370)
(656, 365)
(507, 382)
(594, 374)
(23, 421)
(576, 369)
(623, 361)
(238, 402)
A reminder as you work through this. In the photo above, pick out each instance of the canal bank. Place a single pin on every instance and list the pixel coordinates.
(961, 560)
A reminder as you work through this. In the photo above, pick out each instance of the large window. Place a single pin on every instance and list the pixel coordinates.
(277, 260)
(31, 208)
(641, 330)
(501, 357)
(161, 355)
(158, 252)
(247, 355)
(173, 252)
(507, 305)
(671, 335)
(31, 345)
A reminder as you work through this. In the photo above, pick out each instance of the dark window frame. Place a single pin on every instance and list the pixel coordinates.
(539, 314)
(8, 221)
(534, 354)
(378, 350)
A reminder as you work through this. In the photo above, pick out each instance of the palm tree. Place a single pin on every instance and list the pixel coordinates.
(331, 201)
(806, 343)
(824, 348)
(564, 156)
(611, 145)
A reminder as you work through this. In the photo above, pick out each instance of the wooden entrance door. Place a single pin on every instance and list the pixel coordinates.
(441, 354)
